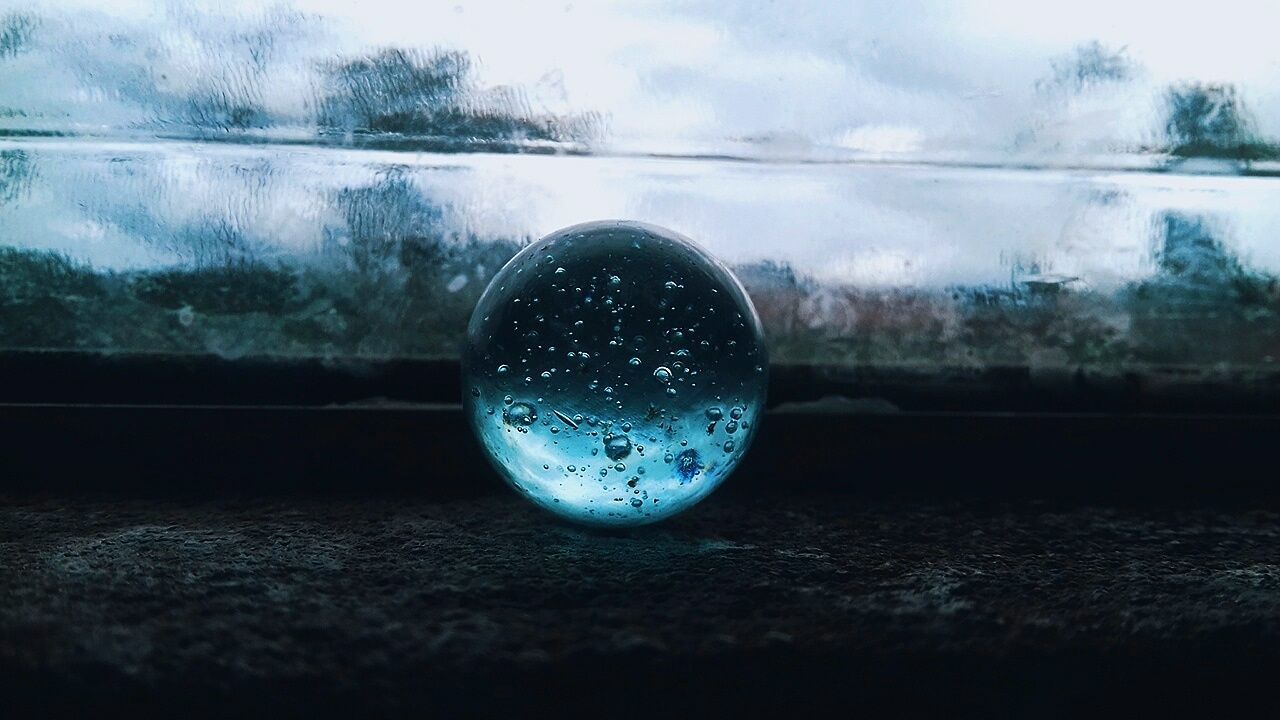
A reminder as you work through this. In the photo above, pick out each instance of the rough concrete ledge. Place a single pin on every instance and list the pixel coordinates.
(485, 606)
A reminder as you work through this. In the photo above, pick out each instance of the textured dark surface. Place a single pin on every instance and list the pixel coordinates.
(338, 606)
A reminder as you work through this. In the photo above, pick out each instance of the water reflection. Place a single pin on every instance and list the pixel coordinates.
(15, 175)
(243, 250)
(1202, 305)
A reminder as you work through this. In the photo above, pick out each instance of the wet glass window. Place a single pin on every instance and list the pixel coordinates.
(919, 188)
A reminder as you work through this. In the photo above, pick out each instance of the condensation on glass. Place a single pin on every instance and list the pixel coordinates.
(897, 184)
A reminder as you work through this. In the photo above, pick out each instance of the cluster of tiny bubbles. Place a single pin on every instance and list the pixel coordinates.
(615, 373)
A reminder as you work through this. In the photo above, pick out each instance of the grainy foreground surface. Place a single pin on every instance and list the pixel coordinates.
(746, 605)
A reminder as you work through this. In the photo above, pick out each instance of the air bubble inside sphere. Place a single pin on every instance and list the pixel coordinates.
(615, 373)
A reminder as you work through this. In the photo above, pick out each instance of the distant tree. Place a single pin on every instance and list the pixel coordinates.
(15, 175)
(15, 33)
(414, 92)
(1206, 119)
(393, 90)
(1087, 65)
(212, 75)
(432, 93)
(230, 94)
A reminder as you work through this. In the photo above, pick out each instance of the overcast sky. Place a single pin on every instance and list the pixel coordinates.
(877, 74)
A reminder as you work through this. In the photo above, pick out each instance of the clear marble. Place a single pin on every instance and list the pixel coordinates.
(614, 373)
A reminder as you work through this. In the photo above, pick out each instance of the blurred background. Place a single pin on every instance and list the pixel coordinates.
(1078, 186)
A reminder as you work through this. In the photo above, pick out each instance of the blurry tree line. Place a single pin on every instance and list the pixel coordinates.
(1197, 119)
(227, 76)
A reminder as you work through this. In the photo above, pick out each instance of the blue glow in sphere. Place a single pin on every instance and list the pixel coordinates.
(614, 373)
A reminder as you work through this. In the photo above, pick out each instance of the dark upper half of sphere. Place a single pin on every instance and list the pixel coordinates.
(615, 290)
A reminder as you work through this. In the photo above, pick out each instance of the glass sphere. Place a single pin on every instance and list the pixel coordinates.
(614, 373)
